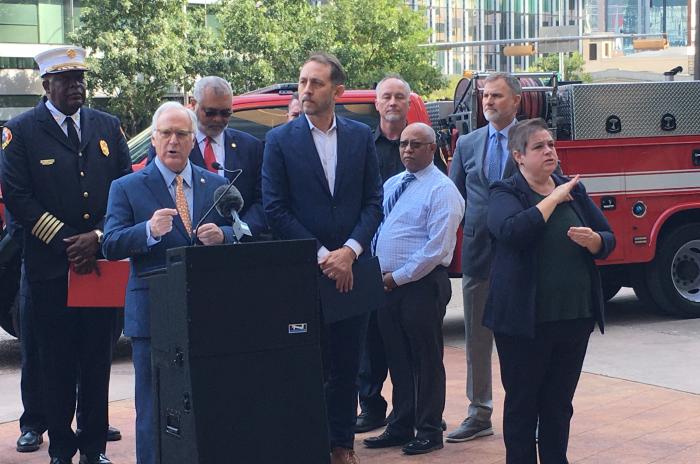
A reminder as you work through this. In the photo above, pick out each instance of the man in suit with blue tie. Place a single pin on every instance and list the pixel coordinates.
(148, 212)
(480, 159)
(321, 181)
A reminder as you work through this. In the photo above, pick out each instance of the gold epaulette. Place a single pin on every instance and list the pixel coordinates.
(47, 227)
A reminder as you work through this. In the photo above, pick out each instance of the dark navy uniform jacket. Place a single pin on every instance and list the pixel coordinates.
(52, 191)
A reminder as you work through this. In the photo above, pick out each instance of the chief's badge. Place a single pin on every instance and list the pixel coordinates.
(6, 137)
(104, 148)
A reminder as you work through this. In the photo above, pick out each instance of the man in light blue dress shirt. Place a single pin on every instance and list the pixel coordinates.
(414, 244)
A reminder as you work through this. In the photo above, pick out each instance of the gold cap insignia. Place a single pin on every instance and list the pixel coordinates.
(70, 53)
(6, 137)
(104, 147)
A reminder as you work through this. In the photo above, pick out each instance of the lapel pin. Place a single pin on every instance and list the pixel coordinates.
(104, 147)
(233, 144)
(202, 180)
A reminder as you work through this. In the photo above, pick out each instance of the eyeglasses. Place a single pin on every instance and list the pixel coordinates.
(179, 134)
(415, 144)
(211, 112)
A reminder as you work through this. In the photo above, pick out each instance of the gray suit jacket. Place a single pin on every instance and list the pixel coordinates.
(467, 172)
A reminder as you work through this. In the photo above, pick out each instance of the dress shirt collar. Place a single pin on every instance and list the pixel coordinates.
(218, 140)
(169, 175)
(504, 131)
(423, 172)
(60, 117)
(312, 127)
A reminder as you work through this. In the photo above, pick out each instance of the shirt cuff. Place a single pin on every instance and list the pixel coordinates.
(322, 253)
(150, 239)
(355, 246)
(400, 277)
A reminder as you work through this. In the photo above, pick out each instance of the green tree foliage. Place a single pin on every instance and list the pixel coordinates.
(138, 51)
(573, 66)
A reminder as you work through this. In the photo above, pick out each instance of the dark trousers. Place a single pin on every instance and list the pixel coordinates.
(75, 348)
(145, 413)
(340, 347)
(373, 370)
(539, 377)
(411, 326)
(33, 417)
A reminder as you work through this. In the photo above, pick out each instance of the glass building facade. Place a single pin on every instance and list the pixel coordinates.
(37, 21)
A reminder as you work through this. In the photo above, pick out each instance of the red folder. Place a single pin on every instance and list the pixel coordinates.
(107, 290)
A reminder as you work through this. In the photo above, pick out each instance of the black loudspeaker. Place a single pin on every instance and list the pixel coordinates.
(236, 355)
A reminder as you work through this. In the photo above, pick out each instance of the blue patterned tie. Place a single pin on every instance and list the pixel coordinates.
(495, 157)
(389, 205)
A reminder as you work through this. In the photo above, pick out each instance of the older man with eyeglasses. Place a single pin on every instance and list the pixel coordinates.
(414, 244)
(232, 149)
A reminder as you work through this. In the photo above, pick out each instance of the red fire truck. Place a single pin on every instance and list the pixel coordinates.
(637, 149)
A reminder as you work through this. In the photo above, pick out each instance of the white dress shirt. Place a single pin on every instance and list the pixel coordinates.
(217, 144)
(420, 232)
(60, 119)
(327, 147)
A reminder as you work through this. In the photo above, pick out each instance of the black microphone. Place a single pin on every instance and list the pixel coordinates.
(211, 208)
(229, 206)
(237, 172)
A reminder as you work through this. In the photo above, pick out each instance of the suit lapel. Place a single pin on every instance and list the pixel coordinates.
(343, 148)
(156, 184)
(308, 150)
(231, 161)
(49, 125)
(482, 145)
(196, 155)
(199, 195)
(86, 125)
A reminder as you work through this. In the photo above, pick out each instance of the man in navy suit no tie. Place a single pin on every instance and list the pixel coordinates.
(149, 212)
(321, 181)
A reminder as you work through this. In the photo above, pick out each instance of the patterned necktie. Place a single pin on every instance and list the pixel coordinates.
(495, 157)
(389, 205)
(181, 204)
(72, 134)
(209, 157)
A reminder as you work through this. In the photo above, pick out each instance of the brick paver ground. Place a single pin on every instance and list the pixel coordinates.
(615, 422)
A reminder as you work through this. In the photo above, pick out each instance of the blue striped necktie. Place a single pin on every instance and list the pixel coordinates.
(495, 157)
(389, 205)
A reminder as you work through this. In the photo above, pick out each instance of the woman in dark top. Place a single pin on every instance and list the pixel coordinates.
(545, 294)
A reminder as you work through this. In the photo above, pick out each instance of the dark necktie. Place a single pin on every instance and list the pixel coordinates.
(389, 205)
(72, 134)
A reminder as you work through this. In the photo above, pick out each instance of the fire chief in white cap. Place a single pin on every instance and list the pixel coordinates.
(59, 161)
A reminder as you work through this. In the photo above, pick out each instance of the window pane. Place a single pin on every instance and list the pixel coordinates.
(51, 22)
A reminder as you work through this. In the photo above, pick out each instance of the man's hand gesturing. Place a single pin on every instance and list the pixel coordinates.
(162, 222)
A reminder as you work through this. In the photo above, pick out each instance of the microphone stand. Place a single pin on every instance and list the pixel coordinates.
(193, 240)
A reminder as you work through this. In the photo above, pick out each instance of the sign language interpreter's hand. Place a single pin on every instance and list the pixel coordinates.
(162, 221)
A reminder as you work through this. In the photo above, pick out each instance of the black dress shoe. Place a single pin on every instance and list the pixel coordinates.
(94, 459)
(55, 460)
(113, 434)
(368, 421)
(29, 441)
(422, 446)
(386, 440)
(443, 425)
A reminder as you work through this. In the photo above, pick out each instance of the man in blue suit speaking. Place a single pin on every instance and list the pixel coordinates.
(147, 213)
(320, 180)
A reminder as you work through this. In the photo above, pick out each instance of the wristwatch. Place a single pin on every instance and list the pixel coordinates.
(99, 234)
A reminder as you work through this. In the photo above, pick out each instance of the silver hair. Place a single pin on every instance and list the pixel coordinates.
(512, 82)
(394, 76)
(217, 84)
(170, 106)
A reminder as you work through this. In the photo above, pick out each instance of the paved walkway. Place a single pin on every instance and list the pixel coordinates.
(615, 422)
